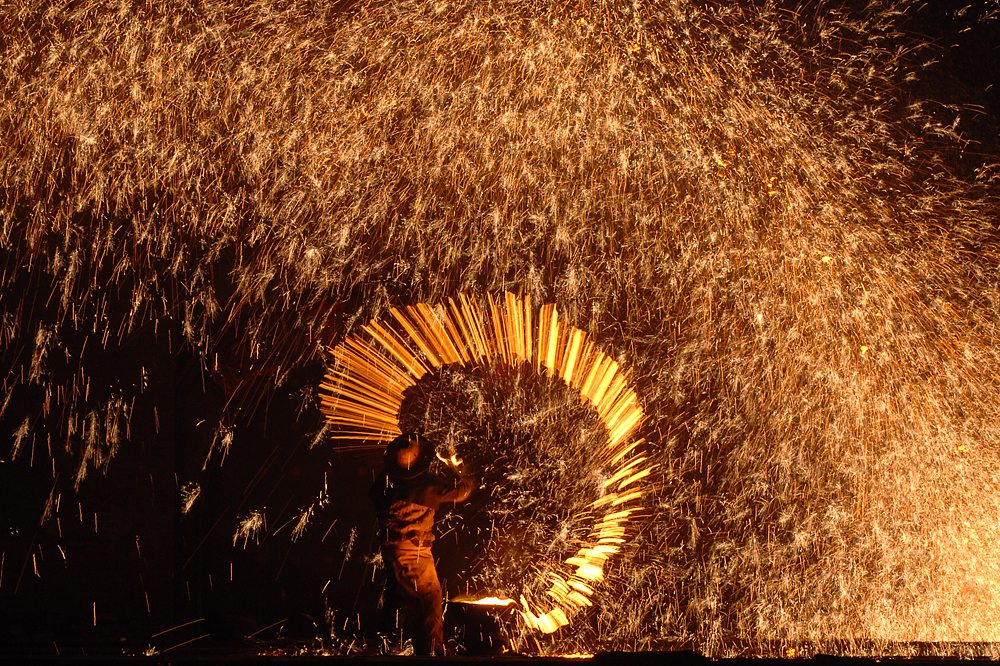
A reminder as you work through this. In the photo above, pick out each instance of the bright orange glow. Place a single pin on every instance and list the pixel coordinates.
(486, 601)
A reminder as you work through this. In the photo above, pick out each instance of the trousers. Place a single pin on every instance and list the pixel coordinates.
(415, 590)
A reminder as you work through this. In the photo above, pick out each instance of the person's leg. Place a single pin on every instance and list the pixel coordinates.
(417, 580)
(393, 602)
(431, 613)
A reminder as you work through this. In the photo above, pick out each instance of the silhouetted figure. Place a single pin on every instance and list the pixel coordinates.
(406, 497)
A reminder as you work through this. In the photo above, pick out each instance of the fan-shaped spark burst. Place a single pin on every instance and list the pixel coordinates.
(364, 387)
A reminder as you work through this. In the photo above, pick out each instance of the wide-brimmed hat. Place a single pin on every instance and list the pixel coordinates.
(407, 457)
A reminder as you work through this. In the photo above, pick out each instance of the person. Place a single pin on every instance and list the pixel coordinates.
(406, 496)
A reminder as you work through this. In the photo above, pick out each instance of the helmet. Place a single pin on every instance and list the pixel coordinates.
(407, 457)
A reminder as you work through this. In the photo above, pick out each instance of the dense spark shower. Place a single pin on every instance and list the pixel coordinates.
(364, 393)
(773, 211)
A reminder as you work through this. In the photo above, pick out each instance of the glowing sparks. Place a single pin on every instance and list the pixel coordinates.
(190, 493)
(250, 528)
(363, 392)
(758, 197)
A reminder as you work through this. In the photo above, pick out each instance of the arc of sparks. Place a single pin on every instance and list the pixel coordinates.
(362, 394)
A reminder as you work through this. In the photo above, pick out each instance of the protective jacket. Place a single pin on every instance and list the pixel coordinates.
(406, 508)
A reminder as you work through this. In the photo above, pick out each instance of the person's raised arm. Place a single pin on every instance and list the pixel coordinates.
(463, 486)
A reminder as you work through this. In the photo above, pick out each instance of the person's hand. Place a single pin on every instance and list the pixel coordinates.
(450, 458)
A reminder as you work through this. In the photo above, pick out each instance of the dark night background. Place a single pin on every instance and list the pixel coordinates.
(147, 568)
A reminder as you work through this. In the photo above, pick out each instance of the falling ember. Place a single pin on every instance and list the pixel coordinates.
(363, 394)
(250, 528)
(190, 492)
